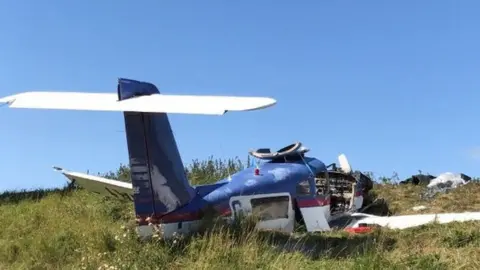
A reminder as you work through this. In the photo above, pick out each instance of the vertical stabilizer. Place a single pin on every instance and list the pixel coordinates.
(158, 176)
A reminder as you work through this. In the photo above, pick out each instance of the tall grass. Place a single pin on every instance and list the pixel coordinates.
(75, 229)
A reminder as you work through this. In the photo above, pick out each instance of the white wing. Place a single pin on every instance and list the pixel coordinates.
(156, 103)
(104, 186)
(409, 221)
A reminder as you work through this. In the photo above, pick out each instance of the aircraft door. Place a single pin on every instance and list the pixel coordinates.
(275, 210)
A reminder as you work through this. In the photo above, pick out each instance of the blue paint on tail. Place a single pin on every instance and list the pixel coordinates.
(158, 176)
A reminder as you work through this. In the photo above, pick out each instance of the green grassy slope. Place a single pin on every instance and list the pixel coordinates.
(80, 230)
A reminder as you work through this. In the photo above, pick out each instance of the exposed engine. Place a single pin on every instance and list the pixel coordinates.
(342, 188)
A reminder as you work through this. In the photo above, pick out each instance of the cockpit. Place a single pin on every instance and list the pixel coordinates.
(341, 184)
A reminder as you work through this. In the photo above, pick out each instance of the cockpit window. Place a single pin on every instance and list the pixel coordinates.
(287, 159)
(303, 188)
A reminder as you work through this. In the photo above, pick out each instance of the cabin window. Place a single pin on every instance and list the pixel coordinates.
(237, 208)
(303, 188)
(269, 208)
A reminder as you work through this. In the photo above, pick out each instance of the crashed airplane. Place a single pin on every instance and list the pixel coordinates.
(285, 187)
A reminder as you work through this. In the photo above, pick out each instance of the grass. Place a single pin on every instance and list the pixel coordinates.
(402, 198)
(75, 229)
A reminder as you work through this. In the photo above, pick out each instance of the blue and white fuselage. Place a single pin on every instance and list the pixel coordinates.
(271, 178)
(269, 181)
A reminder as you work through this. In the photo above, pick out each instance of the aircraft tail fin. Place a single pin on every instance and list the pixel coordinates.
(158, 177)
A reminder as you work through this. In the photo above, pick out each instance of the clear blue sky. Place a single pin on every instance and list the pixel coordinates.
(395, 86)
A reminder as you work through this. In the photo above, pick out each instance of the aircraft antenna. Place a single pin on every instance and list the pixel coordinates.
(256, 161)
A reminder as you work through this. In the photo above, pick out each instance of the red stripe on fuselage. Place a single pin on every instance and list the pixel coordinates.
(179, 217)
(315, 202)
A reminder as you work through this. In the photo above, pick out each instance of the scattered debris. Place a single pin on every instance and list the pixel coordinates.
(418, 179)
(427, 179)
(362, 229)
(440, 184)
(444, 183)
(419, 208)
(448, 179)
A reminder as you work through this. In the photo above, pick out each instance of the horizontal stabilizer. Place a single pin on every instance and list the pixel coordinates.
(104, 186)
(154, 103)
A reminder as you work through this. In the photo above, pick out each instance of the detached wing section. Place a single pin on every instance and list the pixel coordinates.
(410, 221)
(155, 103)
(104, 186)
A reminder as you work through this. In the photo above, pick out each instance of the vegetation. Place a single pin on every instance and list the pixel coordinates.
(74, 229)
(199, 171)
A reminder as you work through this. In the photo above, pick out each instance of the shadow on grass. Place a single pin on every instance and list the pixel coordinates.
(242, 232)
(375, 205)
(328, 245)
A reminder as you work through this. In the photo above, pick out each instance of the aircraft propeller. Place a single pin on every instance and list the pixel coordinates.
(344, 165)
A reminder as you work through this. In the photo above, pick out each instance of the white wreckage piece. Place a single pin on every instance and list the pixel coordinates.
(448, 179)
(410, 221)
(444, 183)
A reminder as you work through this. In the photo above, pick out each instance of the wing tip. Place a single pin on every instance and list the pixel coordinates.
(267, 102)
(271, 101)
(8, 99)
(58, 169)
(262, 103)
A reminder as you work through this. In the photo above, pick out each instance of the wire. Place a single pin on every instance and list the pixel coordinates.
(310, 169)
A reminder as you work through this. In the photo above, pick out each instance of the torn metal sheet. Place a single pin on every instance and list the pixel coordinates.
(419, 208)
